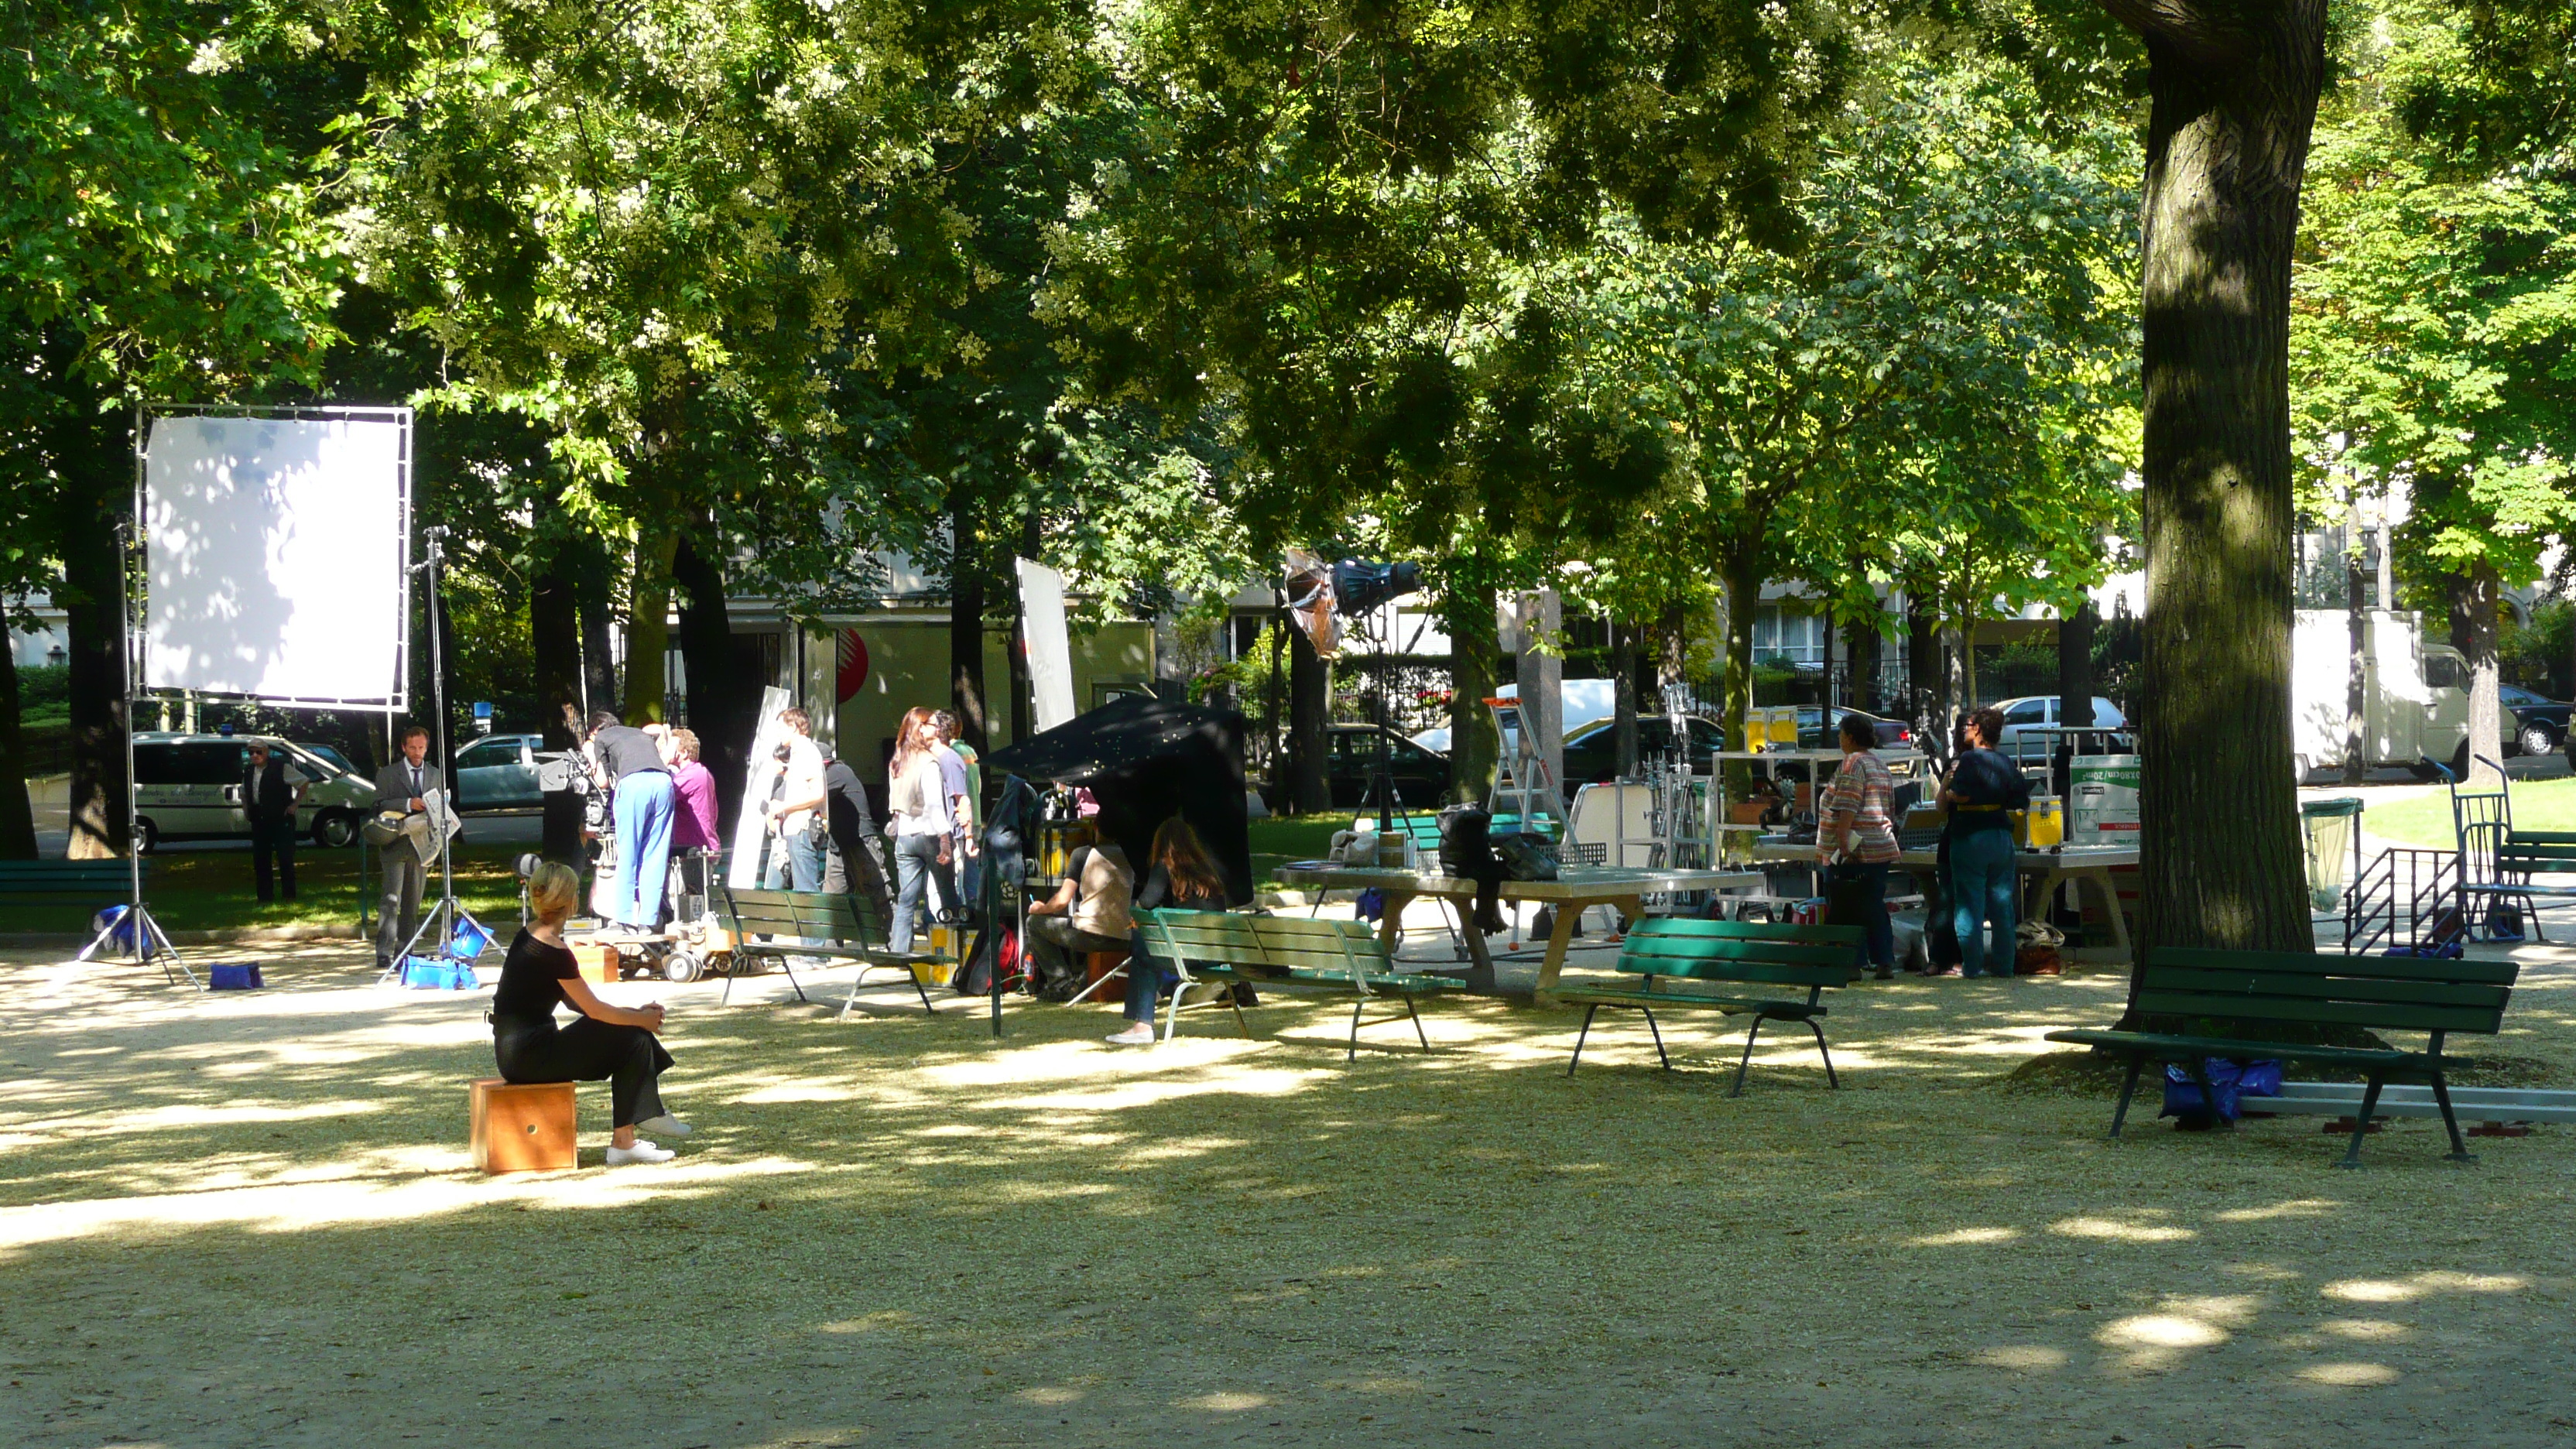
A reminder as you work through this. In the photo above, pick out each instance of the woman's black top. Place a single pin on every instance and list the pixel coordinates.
(1158, 894)
(531, 985)
(625, 750)
(1987, 786)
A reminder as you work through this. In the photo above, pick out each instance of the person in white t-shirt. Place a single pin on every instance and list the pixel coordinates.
(799, 831)
(920, 823)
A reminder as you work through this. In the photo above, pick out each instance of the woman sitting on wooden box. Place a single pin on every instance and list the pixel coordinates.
(611, 1042)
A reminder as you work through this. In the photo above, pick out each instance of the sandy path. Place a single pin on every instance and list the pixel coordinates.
(249, 1221)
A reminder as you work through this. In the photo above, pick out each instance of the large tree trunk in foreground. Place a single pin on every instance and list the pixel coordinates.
(17, 818)
(95, 459)
(2475, 599)
(2075, 668)
(2235, 96)
(554, 644)
(1468, 616)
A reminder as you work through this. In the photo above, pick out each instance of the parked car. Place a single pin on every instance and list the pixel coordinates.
(1817, 728)
(2039, 712)
(1592, 750)
(2539, 723)
(188, 787)
(499, 772)
(1421, 775)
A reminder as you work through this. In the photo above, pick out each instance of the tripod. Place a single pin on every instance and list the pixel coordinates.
(446, 915)
(145, 942)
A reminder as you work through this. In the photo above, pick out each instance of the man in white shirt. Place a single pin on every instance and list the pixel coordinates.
(795, 807)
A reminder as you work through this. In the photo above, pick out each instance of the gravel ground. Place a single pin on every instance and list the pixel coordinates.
(249, 1220)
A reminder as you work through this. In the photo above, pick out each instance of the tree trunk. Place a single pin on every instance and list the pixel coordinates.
(1922, 665)
(1467, 614)
(2234, 99)
(442, 722)
(724, 694)
(2075, 668)
(648, 628)
(96, 468)
(1540, 673)
(17, 817)
(2474, 604)
(1275, 710)
(1309, 734)
(1740, 581)
(966, 623)
(1860, 646)
(554, 643)
(598, 627)
(1623, 698)
(2356, 691)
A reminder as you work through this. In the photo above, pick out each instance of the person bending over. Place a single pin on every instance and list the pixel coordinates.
(1183, 878)
(629, 763)
(603, 1041)
(1089, 911)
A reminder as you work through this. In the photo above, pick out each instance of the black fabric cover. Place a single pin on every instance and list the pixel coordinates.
(1144, 760)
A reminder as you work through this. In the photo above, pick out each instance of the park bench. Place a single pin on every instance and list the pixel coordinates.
(2293, 989)
(1733, 967)
(1282, 953)
(103, 882)
(826, 925)
(2518, 856)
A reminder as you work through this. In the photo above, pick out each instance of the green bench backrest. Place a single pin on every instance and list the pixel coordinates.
(67, 875)
(827, 914)
(1773, 952)
(2400, 993)
(2538, 850)
(1292, 942)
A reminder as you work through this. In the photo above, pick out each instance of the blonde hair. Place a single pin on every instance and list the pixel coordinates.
(687, 742)
(554, 888)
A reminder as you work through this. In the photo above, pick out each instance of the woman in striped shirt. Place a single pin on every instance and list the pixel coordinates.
(1855, 840)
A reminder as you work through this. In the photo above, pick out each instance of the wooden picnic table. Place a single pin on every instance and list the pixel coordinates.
(2085, 865)
(1574, 889)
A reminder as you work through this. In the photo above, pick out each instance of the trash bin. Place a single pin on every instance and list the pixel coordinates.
(2333, 832)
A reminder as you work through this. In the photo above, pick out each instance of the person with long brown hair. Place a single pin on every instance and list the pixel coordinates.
(919, 823)
(1182, 878)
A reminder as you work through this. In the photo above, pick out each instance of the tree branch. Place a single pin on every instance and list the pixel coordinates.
(2208, 31)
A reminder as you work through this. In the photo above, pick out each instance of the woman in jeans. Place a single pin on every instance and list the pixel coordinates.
(1982, 787)
(917, 804)
(1855, 841)
(1183, 878)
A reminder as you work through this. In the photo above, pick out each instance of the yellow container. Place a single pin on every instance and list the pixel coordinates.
(2042, 825)
(1784, 726)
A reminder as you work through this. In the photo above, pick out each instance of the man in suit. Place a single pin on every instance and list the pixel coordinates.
(271, 791)
(402, 787)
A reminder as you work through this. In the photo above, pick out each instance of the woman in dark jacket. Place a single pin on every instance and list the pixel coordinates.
(1183, 878)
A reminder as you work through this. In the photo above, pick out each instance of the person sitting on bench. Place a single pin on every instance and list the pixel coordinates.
(1089, 912)
(606, 1041)
(1182, 879)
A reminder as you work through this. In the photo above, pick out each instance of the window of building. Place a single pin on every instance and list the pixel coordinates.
(1793, 638)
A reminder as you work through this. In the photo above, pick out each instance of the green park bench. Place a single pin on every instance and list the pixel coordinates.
(1283, 953)
(2520, 855)
(2207, 988)
(816, 925)
(1724, 966)
(101, 882)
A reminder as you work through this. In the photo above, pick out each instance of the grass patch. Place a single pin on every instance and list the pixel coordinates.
(210, 890)
(1279, 839)
(2426, 819)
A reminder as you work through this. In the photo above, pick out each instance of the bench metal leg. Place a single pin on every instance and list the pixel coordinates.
(918, 989)
(1660, 1055)
(1747, 1064)
(2361, 1121)
(854, 992)
(2128, 1089)
(2442, 1096)
(1832, 1082)
(730, 972)
(1235, 1003)
(1416, 1018)
(1580, 1035)
(785, 964)
(1172, 1018)
(1353, 1053)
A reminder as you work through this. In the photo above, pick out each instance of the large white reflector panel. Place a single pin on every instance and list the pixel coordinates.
(275, 556)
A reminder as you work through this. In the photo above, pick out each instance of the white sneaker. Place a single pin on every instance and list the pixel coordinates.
(665, 1125)
(1138, 1035)
(642, 1151)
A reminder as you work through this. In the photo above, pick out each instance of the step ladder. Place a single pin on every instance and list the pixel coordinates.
(1524, 788)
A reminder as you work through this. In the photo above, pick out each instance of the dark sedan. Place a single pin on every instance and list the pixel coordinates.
(2539, 725)
(1421, 775)
(1592, 750)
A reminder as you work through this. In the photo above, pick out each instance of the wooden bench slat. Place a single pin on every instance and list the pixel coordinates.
(1759, 931)
(2393, 968)
(2325, 1013)
(1778, 953)
(2238, 1047)
(2363, 990)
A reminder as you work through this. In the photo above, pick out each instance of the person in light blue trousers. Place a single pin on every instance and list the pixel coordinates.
(629, 762)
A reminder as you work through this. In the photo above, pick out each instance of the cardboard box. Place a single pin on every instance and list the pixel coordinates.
(2104, 807)
(597, 964)
(522, 1128)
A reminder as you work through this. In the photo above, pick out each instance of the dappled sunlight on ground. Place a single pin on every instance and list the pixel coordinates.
(896, 1228)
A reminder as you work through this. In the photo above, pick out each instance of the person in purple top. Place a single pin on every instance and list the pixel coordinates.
(693, 825)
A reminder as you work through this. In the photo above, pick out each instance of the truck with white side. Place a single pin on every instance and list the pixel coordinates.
(2415, 696)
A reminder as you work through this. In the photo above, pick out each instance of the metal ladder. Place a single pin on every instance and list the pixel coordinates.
(1523, 786)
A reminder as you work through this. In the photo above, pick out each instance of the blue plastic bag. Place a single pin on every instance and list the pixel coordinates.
(234, 976)
(431, 973)
(1372, 904)
(2229, 1081)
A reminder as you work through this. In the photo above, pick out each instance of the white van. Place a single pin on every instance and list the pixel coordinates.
(188, 787)
(2415, 695)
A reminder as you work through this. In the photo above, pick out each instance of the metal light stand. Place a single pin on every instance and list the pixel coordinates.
(447, 913)
(146, 941)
